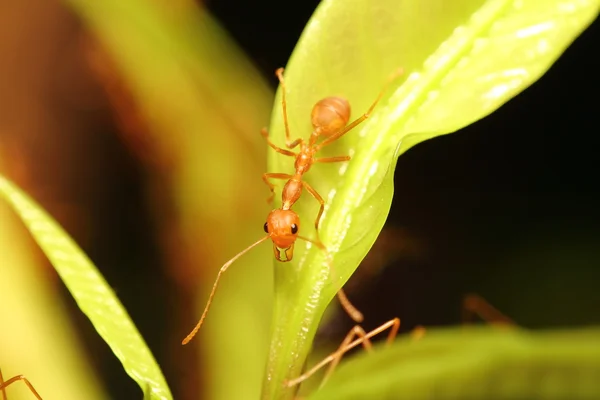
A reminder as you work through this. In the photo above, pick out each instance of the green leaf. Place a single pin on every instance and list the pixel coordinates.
(462, 60)
(33, 308)
(482, 363)
(91, 292)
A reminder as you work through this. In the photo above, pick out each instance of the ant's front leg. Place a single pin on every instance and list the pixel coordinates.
(285, 152)
(266, 176)
(317, 197)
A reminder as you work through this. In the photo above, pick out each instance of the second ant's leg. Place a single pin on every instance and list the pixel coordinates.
(285, 152)
(352, 311)
(360, 119)
(348, 344)
(317, 197)
(418, 332)
(288, 139)
(356, 331)
(266, 176)
(4, 385)
(474, 305)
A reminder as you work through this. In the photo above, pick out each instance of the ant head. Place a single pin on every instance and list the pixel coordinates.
(283, 226)
(330, 115)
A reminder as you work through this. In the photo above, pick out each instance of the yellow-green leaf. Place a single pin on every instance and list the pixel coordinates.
(462, 60)
(91, 292)
(482, 363)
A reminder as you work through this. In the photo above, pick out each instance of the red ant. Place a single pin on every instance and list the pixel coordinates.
(4, 385)
(473, 305)
(329, 118)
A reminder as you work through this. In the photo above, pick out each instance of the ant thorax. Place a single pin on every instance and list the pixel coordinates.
(305, 159)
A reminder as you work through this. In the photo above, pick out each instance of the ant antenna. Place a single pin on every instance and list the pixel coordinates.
(214, 289)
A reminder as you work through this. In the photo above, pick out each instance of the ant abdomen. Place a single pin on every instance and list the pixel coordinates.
(330, 115)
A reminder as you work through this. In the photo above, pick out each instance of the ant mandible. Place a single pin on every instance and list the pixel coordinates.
(4, 385)
(329, 118)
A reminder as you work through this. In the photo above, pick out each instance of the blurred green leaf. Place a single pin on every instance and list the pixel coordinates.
(482, 363)
(52, 356)
(91, 292)
(463, 59)
(204, 104)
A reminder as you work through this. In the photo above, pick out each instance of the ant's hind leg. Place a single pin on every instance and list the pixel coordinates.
(363, 117)
(474, 305)
(285, 152)
(266, 176)
(332, 159)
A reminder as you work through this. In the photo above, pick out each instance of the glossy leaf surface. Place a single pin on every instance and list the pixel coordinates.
(462, 60)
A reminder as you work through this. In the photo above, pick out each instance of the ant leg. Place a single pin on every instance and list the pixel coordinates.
(349, 343)
(4, 385)
(352, 311)
(317, 197)
(285, 152)
(360, 119)
(288, 140)
(331, 159)
(474, 305)
(266, 176)
(418, 332)
(394, 324)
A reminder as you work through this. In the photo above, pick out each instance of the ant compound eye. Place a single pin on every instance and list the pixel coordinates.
(266, 227)
(294, 229)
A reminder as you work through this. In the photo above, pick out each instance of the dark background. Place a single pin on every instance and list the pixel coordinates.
(506, 208)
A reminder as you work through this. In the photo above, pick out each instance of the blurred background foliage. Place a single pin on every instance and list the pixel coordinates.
(153, 166)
